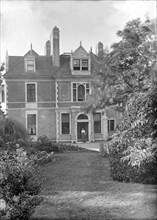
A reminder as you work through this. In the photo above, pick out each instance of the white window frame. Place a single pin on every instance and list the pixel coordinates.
(32, 112)
(77, 84)
(65, 112)
(80, 60)
(26, 64)
(27, 83)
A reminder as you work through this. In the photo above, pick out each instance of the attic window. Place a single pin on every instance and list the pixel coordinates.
(84, 64)
(30, 65)
(76, 64)
(80, 64)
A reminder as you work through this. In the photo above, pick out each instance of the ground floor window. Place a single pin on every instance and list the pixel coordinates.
(31, 124)
(97, 123)
(111, 125)
(65, 123)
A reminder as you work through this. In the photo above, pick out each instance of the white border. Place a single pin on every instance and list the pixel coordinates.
(26, 83)
(36, 113)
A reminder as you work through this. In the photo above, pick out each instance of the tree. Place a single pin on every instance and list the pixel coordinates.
(127, 78)
(128, 68)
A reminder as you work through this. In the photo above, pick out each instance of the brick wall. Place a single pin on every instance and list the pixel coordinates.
(47, 123)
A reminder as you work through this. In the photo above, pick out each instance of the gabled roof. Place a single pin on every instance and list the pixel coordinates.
(80, 51)
(43, 64)
(31, 53)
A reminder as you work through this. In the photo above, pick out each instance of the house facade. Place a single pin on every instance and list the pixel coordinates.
(46, 94)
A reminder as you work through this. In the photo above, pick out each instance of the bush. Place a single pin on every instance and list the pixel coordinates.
(12, 129)
(44, 144)
(19, 185)
(103, 149)
(133, 148)
(70, 147)
(133, 160)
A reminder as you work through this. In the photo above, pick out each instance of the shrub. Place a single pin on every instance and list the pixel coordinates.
(133, 150)
(103, 149)
(133, 159)
(13, 129)
(18, 183)
(70, 147)
(44, 144)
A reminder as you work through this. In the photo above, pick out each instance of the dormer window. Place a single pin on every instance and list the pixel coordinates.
(80, 64)
(85, 64)
(30, 65)
(76, 64)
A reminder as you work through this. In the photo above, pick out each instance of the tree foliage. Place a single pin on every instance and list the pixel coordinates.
(129, 67)
(127, 78)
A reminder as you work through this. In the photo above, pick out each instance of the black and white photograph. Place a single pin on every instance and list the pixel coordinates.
(78, 110)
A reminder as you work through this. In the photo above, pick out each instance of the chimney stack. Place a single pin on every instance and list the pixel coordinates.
(100, 49)
(55, 51)
(47, 48)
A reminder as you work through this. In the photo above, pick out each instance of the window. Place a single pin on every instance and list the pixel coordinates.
(65, 123)
(111, 125)
(80, 91)
(97, 122)
(82, 116)
(84, 64)
(31, 124)
(76, 64)
(80, 64)
(87, 88)
(30, 65)
(3, 94)
(31, 96)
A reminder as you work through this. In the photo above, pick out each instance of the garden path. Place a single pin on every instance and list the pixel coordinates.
(78, 186)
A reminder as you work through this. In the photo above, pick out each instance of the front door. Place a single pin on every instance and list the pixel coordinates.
(80, 126)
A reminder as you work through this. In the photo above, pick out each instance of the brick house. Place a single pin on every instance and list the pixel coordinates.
(46, 93)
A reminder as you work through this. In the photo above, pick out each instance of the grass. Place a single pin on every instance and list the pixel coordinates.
(78, 186)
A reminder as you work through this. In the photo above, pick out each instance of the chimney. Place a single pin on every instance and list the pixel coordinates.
(47, 48)
(100, 49)
(55, 46)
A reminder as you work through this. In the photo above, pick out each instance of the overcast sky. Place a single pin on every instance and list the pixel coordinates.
(26, 22)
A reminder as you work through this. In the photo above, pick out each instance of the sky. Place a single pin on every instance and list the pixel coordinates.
(26, 22)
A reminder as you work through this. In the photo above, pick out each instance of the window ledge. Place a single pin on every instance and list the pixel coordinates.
(80, 72)
(31, 105)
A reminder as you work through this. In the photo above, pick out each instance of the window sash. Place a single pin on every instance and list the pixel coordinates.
(111, 125)
(97, 123)
(76, 64)
(77, 96)
(31, 97)
(30, 65)
(84, 64)
(31, 124)
(81, 93)
(65, 123)
(87, 89)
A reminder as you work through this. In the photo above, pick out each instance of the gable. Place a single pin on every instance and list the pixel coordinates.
(31, 53)
(80, 52)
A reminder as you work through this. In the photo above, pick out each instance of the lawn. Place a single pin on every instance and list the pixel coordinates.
(78, 186)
